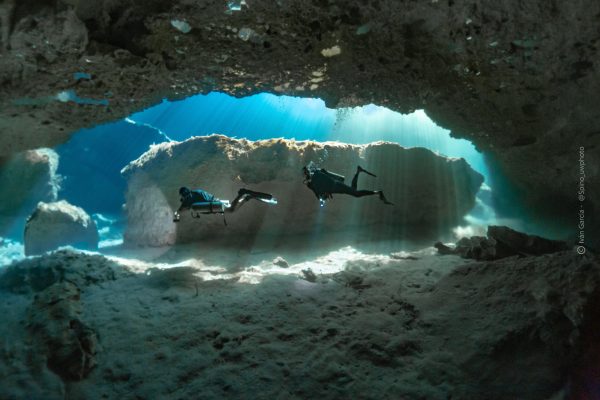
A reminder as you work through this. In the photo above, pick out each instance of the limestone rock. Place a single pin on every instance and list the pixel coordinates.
(27, 179)
(281, 262)
(517, 325)
(430, 192)
(49, 343)
(36, 274)
(70, 345)
(479, 248)
(59, 224)
(502, 242)
(516, 242)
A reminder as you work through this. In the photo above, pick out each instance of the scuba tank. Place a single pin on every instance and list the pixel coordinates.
(333, 175)
(209, 207)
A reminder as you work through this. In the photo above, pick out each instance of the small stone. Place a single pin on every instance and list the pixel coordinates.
(309, 275)
(181, 26)
(332, 51)
(281, 262)
(245, 34)
(363, 29)
(78, 76)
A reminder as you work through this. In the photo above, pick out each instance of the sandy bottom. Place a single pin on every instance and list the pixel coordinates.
(263, 332)
(216, 323)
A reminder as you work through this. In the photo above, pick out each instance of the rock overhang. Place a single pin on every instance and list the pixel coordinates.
(501, 75)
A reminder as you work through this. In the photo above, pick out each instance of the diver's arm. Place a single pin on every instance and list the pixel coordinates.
(184, 206)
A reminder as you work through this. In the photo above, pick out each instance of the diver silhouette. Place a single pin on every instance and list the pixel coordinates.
(206, 203)
(324, 183)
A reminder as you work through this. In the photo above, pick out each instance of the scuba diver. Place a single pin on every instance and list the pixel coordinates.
(205, 203)
(324, 183)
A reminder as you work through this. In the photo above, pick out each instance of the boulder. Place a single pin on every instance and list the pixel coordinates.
(430, 192)
(502, 242)
(70, 346)
(59, 224)
(517, 328)
(281, 262)
(25, 180)
(515, 242)
(49, 339)
(477, 247)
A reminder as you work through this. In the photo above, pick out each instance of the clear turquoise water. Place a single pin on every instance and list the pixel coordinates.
(266, 116)
(98, 154)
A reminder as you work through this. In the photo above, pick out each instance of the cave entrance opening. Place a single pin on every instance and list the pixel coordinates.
(98, 154)
(267, 116)
(94, 157)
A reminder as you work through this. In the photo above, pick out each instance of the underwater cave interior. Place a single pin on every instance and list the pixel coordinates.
(93, 171)
(400, 203)
(89, 167)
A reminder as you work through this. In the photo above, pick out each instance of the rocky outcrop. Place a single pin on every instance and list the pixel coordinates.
(518, 325)
(50, 344)
(500, 73)
(59, 224)
(69, 345)
(502, 242)
(431, 193)
(27, 179)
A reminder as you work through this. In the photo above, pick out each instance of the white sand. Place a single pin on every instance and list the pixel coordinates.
(371, 327)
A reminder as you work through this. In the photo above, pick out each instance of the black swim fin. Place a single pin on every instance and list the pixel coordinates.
(256, 195)
(385, 201)
(361, 169)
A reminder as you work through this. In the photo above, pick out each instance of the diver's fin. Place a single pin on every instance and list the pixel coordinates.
(272, 200)
(361, 169)
(257, 195)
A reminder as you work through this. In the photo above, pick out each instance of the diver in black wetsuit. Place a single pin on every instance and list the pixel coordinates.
(324, 183)
(206, 203)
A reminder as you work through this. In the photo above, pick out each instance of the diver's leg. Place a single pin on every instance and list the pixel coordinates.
(362, 193)
(359, 169)
(351, 190)
(345, 189)
(355, 179)
(237, 202)
(382, 198)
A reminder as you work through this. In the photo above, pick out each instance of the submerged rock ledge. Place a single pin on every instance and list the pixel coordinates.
(431, 193)
(428, 327)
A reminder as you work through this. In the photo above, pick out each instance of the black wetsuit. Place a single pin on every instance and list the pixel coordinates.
(207, 203)
(196, 196)
(324, 183)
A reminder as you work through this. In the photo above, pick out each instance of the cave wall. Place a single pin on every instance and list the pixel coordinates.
(519, 79)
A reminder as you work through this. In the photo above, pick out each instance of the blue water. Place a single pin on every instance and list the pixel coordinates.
(90, 163)
(266, 116)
